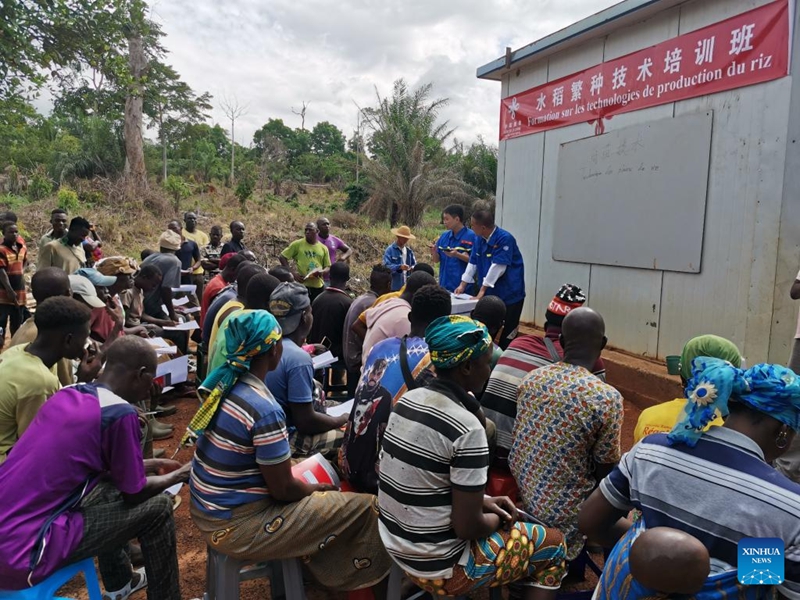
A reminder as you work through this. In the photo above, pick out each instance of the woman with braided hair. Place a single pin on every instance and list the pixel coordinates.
(716, 486)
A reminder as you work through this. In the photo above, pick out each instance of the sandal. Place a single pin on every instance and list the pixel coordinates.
(137, 582)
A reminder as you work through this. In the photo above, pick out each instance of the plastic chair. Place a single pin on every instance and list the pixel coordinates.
(224, 574)
(502, 483)
(46, 590)
(583, 560)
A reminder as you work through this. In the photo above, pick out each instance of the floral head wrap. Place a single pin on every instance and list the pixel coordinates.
(455, 339)
(770, 389)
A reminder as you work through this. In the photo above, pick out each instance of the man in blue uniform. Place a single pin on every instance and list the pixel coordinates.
(453, 248)
(497, 263)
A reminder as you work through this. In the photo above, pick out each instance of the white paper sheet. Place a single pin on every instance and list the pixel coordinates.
(185, 289)
(188, 326)
(157, 342)
(341, 409)
(191, 310)
(180, 301)
(323, 360)
(174, 371)
(173, 489)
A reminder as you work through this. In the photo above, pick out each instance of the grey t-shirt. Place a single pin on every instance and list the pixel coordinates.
(170, 267)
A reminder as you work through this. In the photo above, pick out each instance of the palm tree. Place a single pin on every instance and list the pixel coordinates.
(409, 170)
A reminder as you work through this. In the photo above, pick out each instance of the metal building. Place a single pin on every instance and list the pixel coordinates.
(751, 233)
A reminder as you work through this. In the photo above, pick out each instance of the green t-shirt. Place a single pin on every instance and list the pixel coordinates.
(308, 257)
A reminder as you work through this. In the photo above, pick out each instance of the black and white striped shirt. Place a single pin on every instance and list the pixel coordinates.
(432, 445)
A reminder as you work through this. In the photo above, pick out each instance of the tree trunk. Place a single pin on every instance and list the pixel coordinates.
(233, 153)
(135, 170)
(163, 146)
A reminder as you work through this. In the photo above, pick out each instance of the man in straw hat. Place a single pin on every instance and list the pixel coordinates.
(399, 257)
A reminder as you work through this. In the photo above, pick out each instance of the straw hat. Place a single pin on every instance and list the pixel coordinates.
(404, 231)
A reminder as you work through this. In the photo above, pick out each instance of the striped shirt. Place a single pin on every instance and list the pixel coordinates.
(525, 354)
(431, 446)
(248, 430)
(720, 491)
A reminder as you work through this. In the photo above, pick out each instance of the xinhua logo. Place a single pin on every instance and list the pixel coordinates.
(760, 561)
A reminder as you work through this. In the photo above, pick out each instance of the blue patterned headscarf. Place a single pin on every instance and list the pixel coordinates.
(770, 389)
(455, 339)
(250, 334)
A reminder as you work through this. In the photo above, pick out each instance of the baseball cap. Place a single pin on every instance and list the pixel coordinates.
(287, 304)
(116, 265)
(96, 277)
(83, 287)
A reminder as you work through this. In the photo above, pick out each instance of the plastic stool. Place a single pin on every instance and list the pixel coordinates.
(46, 590)
(224, 574)
(502, 483)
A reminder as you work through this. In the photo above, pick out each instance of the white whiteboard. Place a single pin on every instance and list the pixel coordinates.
(635, 197)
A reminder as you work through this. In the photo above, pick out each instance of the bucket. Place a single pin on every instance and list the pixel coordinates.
(316, 469)
(674, 365)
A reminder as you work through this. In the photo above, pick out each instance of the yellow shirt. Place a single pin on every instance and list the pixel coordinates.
(27, 332)
(225, 310)
(27, 384)
(201, 239)
(662, 418)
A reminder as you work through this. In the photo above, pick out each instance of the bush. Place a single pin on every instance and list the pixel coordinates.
(176, 187)
(357, 194)
(68, 200)
(40, 185)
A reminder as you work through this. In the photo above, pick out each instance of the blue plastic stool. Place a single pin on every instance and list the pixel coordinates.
(47, 589)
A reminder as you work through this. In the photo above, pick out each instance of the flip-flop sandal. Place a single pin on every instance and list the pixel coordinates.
(176, 502)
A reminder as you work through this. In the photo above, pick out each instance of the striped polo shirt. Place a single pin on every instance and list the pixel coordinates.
(248, 430)
(431, 446)
(720, 491)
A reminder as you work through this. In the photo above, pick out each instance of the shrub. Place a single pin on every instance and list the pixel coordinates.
(40, 184)
(68, 200)
(176, 187)
(356, 196)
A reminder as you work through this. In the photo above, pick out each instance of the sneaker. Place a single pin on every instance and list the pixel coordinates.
(137, 582)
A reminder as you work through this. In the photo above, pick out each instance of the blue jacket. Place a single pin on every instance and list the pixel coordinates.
(393, 258)
(451, 269)
(501, 248)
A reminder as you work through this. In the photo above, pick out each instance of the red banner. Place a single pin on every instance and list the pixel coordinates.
(744, 50)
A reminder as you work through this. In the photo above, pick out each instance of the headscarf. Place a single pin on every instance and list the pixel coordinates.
(708, 345)
(455, 339)
(249, 334)
(770, 389)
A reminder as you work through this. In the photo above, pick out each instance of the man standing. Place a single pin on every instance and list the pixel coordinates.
(567, 433)
(27, 373)
(101, 448)
(58, 227)
(193, 234)
(380, 283)
(497, 263)
(312, 261)
(67, 252)
(212, 252)
(524, 354)
(292, 383)
(330, 310)
(331, 242)
(13, 258)
(399, 256)
(235, 244)
(453, 248)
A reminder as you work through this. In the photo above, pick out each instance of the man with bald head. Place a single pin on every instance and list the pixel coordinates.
(105, 492)
(567, 431)
(311, 258)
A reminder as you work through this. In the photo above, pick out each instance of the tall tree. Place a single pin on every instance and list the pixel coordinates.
(327, 139)
(135, 169)
(233, 110)
(170, 102)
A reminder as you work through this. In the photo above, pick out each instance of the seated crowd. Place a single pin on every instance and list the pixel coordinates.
(443, 405)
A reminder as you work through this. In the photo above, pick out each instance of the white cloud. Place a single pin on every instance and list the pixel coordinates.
(274, 55)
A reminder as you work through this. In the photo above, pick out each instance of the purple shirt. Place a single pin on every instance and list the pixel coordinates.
(332, 243)
(79, 435)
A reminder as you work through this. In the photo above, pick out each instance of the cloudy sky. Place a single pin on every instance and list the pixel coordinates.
(271, 55)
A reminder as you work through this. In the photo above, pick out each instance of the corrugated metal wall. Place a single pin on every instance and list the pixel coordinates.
(654, 313)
